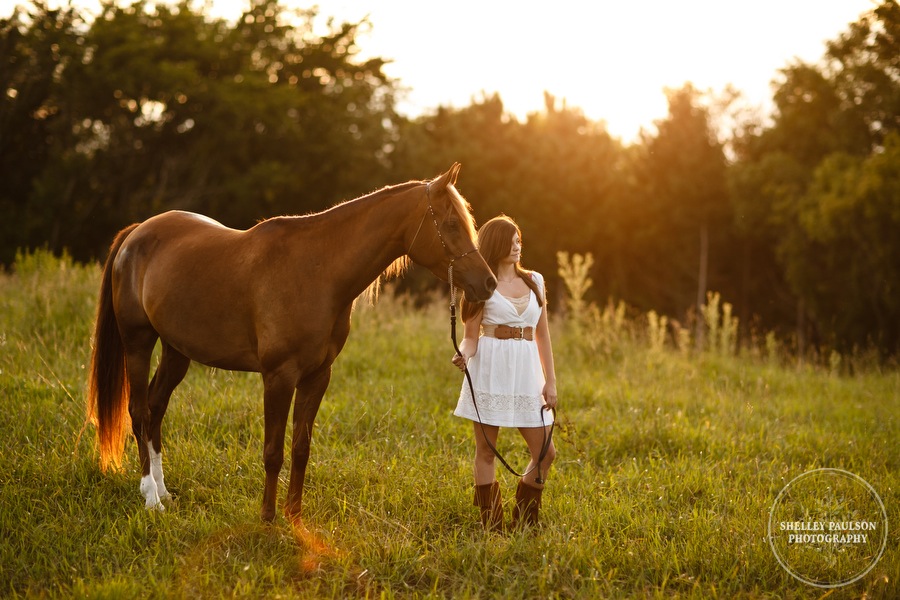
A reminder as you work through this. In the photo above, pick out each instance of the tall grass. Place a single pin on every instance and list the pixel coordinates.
(669, 463)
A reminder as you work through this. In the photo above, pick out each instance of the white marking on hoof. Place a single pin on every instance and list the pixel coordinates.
(156, 471)
(151, 497)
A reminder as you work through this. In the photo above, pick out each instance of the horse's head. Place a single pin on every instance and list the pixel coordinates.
(446, 234)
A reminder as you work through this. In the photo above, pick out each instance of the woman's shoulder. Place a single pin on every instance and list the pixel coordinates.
(535, 276)
(538, 280)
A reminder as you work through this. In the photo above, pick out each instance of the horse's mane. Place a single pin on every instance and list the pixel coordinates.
(464, 209)
(399, 267)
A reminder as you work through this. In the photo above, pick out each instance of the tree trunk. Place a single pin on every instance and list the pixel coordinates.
(744, 318)
(801, 330)
(701, 284)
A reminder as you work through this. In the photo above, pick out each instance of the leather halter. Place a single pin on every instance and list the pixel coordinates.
(437, 228)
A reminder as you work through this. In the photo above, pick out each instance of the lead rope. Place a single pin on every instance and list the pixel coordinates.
(547, 438)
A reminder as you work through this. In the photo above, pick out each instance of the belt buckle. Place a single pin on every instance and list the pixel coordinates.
(521, 333)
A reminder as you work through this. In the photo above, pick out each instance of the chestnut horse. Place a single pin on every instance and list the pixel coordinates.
(274, 299)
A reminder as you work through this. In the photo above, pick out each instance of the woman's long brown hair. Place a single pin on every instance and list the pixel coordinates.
(494, 243)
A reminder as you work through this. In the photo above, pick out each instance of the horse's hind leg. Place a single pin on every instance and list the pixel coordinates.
(139, 343)
(172, 368)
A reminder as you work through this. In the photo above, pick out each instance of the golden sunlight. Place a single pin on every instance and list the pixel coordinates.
(612, 59)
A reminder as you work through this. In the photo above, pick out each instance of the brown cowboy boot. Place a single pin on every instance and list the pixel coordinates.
(528, 503)
(487, 498)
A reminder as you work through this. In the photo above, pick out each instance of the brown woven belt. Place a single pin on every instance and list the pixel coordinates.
(507, 332)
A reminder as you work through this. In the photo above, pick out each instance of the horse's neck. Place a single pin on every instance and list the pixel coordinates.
(358, 240)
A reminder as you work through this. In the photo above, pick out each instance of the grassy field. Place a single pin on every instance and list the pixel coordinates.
(669, 465)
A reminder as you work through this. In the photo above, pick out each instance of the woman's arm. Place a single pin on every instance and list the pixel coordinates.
(469, 345)
(545, 350)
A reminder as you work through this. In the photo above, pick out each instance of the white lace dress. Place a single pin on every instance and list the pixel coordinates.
(507, 374)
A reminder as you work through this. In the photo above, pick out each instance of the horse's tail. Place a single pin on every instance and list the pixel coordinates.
(108, 390)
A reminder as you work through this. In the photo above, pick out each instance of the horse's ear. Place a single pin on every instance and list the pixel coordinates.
(448, 178)
(454, 172)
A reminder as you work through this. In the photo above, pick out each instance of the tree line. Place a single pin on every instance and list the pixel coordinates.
(145, 108)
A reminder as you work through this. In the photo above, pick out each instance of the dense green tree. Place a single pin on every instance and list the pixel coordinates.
(756, 188)
(163, 108)
(37, 46)
(850, 276)
(681, 218)
(828, 118)
(864, 64)
(572, 178)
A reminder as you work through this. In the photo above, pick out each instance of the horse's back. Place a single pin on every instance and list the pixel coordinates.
(176, 224)
(189, 277)
(179, 239)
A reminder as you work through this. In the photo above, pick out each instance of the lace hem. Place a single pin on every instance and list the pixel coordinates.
(504, 402)
(504, 410)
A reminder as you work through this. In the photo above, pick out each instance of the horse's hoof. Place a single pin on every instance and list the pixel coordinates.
(148, 491)
(294, 519)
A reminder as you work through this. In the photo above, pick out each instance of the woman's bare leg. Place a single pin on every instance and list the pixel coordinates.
(484, 456)
(536, 437)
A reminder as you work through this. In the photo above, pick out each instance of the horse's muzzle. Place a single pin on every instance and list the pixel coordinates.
(483, 292)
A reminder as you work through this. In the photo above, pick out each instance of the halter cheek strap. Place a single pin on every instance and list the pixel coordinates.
(437, 228)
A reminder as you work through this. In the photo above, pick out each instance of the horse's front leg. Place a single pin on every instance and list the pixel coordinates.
(279, 389)
(309, 397)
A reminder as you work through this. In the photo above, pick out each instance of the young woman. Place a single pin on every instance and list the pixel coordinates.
(510, 359)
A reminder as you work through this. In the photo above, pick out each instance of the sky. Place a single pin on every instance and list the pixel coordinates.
(610, 58)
